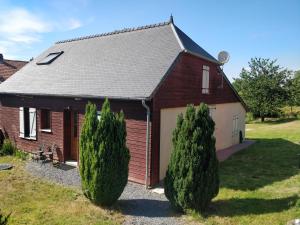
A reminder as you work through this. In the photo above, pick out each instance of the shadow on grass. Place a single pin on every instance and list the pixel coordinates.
(275, 121)
(146, 208)
(248, 206)
(265, 162)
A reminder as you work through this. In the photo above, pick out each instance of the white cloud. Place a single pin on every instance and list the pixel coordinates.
(19, 25)
(73, 24)
(26, 39)
(20, 21)
(5, 47)
(20, 29)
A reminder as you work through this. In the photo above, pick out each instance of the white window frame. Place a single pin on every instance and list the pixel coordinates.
(21, 122)
(99, 115)
(235, 126)
(212, 111)
(205, 79)
(32, 123)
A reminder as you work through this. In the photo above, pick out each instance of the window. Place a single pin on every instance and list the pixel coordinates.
(49, 58)
(212, 111)
(99, 115)
(45, 120)
(27, 117)
(205, 80)
(235, 125)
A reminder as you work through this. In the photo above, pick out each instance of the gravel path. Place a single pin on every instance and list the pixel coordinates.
(65, 175)
(140, 206)
(144, 207)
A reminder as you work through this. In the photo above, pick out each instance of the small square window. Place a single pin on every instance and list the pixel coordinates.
(49, 58)
(46, 120)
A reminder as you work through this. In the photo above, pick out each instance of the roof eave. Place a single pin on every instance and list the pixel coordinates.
(138, 98)
(165, 75)
(177, 37)
(184, 49)
(202, 57)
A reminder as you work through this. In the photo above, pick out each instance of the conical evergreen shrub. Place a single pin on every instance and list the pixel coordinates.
(104, 157)
(192, 178)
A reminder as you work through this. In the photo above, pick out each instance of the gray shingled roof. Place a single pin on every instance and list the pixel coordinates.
(126, 64)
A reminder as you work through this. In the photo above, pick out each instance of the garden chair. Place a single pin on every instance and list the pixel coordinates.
(38, 155)
(55, 160)
(48, 154)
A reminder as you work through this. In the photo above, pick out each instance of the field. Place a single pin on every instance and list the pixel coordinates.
(260, 185)
(32, 201)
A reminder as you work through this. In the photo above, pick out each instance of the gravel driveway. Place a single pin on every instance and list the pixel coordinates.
(144, 207)
(140, 206)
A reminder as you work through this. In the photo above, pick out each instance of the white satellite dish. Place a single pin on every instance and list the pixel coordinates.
(223, 57)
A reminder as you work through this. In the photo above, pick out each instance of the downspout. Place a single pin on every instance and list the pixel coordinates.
(147, 141)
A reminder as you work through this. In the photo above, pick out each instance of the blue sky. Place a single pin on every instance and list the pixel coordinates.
(245, 29)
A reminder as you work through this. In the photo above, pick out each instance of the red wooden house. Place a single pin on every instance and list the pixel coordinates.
(150, 72)
(7, 68)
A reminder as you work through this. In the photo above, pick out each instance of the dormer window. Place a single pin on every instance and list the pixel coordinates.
(49, 58)
(205, 80)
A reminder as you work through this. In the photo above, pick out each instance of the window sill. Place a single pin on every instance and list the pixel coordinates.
(46, 130)
(29, 138)
(205, 91)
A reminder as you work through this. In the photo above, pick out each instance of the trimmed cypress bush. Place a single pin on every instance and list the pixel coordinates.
(104, 157)
(192, 178)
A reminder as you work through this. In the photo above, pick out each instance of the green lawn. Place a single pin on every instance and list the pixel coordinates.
(32, 201)
(260, 185)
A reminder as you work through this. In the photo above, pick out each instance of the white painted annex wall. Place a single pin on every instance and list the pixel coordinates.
(222, 114)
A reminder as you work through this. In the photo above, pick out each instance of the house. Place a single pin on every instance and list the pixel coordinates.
(150, 72)
(8, 68)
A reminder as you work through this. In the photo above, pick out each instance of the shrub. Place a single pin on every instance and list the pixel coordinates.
(4, 219)
(21, 154)
(104, 157)
(8, 148)
(192, 178)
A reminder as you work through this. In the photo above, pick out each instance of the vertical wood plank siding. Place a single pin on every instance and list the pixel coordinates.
(10, 124)
(182, 86)
(135, 116)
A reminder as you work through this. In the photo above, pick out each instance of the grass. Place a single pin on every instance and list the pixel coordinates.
(260, 185)
(33, 201)
(287, 110)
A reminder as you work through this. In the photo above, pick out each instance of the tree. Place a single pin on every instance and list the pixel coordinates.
(192, 178)
(263, 87)
(293, 90)
(104, 157)
(296, 83)
(237, 84)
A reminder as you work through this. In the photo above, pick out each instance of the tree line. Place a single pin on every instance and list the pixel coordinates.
(266, 87)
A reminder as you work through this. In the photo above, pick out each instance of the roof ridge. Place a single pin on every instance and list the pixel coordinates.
(125, 30)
